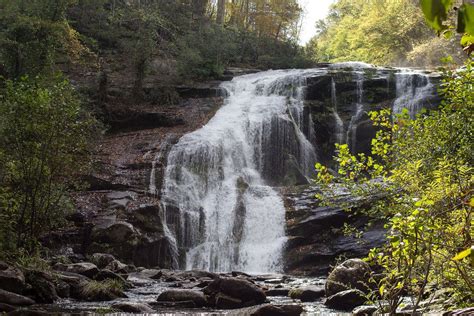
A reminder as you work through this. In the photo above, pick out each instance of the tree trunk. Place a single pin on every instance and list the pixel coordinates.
(220, 12)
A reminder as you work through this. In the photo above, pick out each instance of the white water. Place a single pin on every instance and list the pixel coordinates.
(413, 88)
(229, 218)
(339, 123)
(351, 138)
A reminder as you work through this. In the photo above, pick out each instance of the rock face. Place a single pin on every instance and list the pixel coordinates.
(351, 274)
(315, 232)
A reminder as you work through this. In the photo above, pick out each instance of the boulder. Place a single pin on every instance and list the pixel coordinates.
(106, 274)
(351, 274)
(277, 310)
(119, 232)
(11, 279)
(364, 310)
(5, 308)
(239, 290)
(71, 283)
(197, 298)
(117, 266)
(133, 308)
(14, 299)
(346, 300)
(307, 294)
(42, 287)
(84, 268)
(101, 260)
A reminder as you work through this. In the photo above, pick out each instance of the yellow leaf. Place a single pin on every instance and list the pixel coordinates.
(471, 202)
(462, 254)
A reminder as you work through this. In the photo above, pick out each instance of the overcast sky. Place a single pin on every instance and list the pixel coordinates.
(313, 10)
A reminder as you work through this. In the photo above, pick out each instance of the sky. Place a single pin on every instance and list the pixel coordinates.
(314, 10)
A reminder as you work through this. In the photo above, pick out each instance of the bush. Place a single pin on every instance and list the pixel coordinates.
(45, 139)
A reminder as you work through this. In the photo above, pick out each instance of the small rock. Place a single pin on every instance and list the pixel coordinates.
(278, 292)
(101, 260)
(346, 300)
(196, 297)
(11, 279)
(351, 274)
(84, 268)
(364, 310)
(307, 294)
(14, 299)
(117, 267)
(133, 308)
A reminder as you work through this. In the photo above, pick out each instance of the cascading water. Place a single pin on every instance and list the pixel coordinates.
(221, 210)
(413, 91)
(216, 195)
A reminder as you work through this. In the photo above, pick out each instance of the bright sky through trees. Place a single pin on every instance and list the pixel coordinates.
(314, 10)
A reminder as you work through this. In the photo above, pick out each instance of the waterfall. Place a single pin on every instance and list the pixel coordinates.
(413, 91)
(339, 130)
(351, 137)
(218, 202)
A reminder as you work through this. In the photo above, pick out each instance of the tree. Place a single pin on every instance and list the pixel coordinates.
(221, 4)
(45, 139)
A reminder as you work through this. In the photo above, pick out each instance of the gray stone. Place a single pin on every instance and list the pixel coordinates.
(196, 297)
(101, 260)
(106, 274)
(248, 293)
(346, 300)
(12, 279)
(307, 294)
(43, 289)
(277, 292)
(84, 268)
(133, 307)
(351, 274)
(364, 310)
(14, 299)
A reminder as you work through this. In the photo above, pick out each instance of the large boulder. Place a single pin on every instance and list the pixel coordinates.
(11, 298)
(11, 279)
(84, 268)
(197, 298)
(42, 287)
(234, 293)
(346, 300)
(351, 274)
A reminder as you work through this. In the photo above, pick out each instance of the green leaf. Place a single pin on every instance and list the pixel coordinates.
(466, 19)
(462, 254)
(467, 40)
(436, 12)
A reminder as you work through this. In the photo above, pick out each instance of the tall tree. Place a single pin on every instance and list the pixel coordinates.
(221, 12)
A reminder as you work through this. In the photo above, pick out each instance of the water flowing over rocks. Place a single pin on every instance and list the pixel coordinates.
(221, 182)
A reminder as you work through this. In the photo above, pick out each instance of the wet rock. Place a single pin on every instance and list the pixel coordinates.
(71, 283)
(117, 266)
(42, 287)
(249, 294)
(307, 294)
(105, 274)
(29, 312)
(346, 300)
(135, 120)
(62, 288)
(84, 268)
(277, 292)
(198, 298)
(133, 307)
(101, 260)
(278, 310)
(351, 274)
(11, 279)
(364, 310)
(227, 302)
(11, 298)
(5, 308)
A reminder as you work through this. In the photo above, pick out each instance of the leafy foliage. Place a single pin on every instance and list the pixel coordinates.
(45, 137)
(427, 171)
